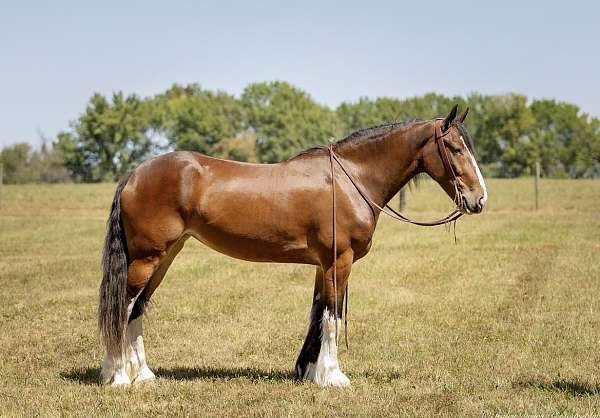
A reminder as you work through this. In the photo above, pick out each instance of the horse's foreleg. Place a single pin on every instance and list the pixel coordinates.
(325, 369)
(312, 343)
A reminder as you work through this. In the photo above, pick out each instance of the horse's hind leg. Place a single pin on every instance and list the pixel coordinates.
(116, 369)
(144, 276)
(139, 370)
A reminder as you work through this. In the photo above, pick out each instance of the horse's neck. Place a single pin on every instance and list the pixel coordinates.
(384, 165)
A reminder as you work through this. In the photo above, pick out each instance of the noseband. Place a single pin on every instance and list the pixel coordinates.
(452, 217)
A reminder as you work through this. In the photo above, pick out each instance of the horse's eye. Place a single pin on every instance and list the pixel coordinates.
(455, 150)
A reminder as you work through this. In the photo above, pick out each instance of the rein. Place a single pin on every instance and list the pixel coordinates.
(451, 217)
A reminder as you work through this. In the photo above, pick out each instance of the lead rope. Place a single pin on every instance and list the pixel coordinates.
(449, 219)
(392, 213)
(347, 296)
(334, 266)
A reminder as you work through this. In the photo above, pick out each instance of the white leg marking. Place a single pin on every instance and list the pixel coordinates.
(115, 367)
(326, 371)
(140, 371)
(121, 378)
(479, 176)
(114, 371)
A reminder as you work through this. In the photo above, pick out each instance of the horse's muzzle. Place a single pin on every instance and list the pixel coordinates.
(470, 208)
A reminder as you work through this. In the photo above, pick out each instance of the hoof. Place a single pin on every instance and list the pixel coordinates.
(333, 377)
(145, 375)
(120, 380)
(336, 378)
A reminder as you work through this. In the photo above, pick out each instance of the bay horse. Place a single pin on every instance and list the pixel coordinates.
(270, 213)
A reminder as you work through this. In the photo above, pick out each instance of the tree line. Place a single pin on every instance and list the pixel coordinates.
(272, 121)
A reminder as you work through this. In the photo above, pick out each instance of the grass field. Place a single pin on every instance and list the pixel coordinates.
(505, 322)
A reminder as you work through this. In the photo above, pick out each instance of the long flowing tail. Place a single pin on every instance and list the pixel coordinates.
(112, 310)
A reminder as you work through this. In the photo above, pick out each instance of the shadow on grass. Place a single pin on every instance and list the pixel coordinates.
(573, 387)
(91, 376)
(222, 373)
(86, 376)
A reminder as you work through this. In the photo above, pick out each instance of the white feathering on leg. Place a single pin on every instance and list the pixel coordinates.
(326, 371)
(115, 367)
(139, 368)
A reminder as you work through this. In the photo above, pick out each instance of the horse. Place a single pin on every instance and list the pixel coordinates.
(270, 213)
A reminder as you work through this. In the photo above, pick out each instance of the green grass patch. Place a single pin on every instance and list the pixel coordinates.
(504, 322)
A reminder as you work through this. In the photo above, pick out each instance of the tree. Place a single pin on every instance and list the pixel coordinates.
(273, 121)
(286, 120)
(48, 164)
(367, 112)
(567, 139)
(194, 119)
(240, 148)
(501, 127)
(22, 164)
(15, 160)
(108, 139)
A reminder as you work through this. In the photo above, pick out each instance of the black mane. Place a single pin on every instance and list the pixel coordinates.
(360, 136)
(366, 134)
(467, 138)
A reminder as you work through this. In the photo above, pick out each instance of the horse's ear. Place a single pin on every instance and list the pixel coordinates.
(463, 115)
(450, 118)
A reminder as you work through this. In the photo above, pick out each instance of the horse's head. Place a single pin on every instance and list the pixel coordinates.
(449, 159)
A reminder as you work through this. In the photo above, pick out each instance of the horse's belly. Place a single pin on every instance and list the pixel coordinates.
(253, 240)
(266, 218)
(250, 249)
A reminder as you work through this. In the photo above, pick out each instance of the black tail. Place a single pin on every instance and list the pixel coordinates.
(112, 311)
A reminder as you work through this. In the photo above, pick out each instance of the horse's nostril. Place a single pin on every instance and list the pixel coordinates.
(480, 204)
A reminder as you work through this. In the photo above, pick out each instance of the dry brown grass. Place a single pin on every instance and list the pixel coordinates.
(505, 322)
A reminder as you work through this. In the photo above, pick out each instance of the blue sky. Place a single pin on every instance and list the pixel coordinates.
(55, 55)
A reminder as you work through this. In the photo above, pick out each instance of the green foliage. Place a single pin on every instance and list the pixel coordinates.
(273, 121)
(286, 120)
(367, 112)
(569, 139)
(194, 119)
(22, 164)
(108, 138)
(240, 148)
(15, 161)
(501, 127)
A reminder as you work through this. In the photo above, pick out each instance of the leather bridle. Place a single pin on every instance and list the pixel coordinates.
(452, 217)
(439, 139)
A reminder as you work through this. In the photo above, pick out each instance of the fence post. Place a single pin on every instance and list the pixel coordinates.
(537, 186)
(1, 182)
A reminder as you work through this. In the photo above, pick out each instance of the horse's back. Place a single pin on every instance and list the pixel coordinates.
(250, 211)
